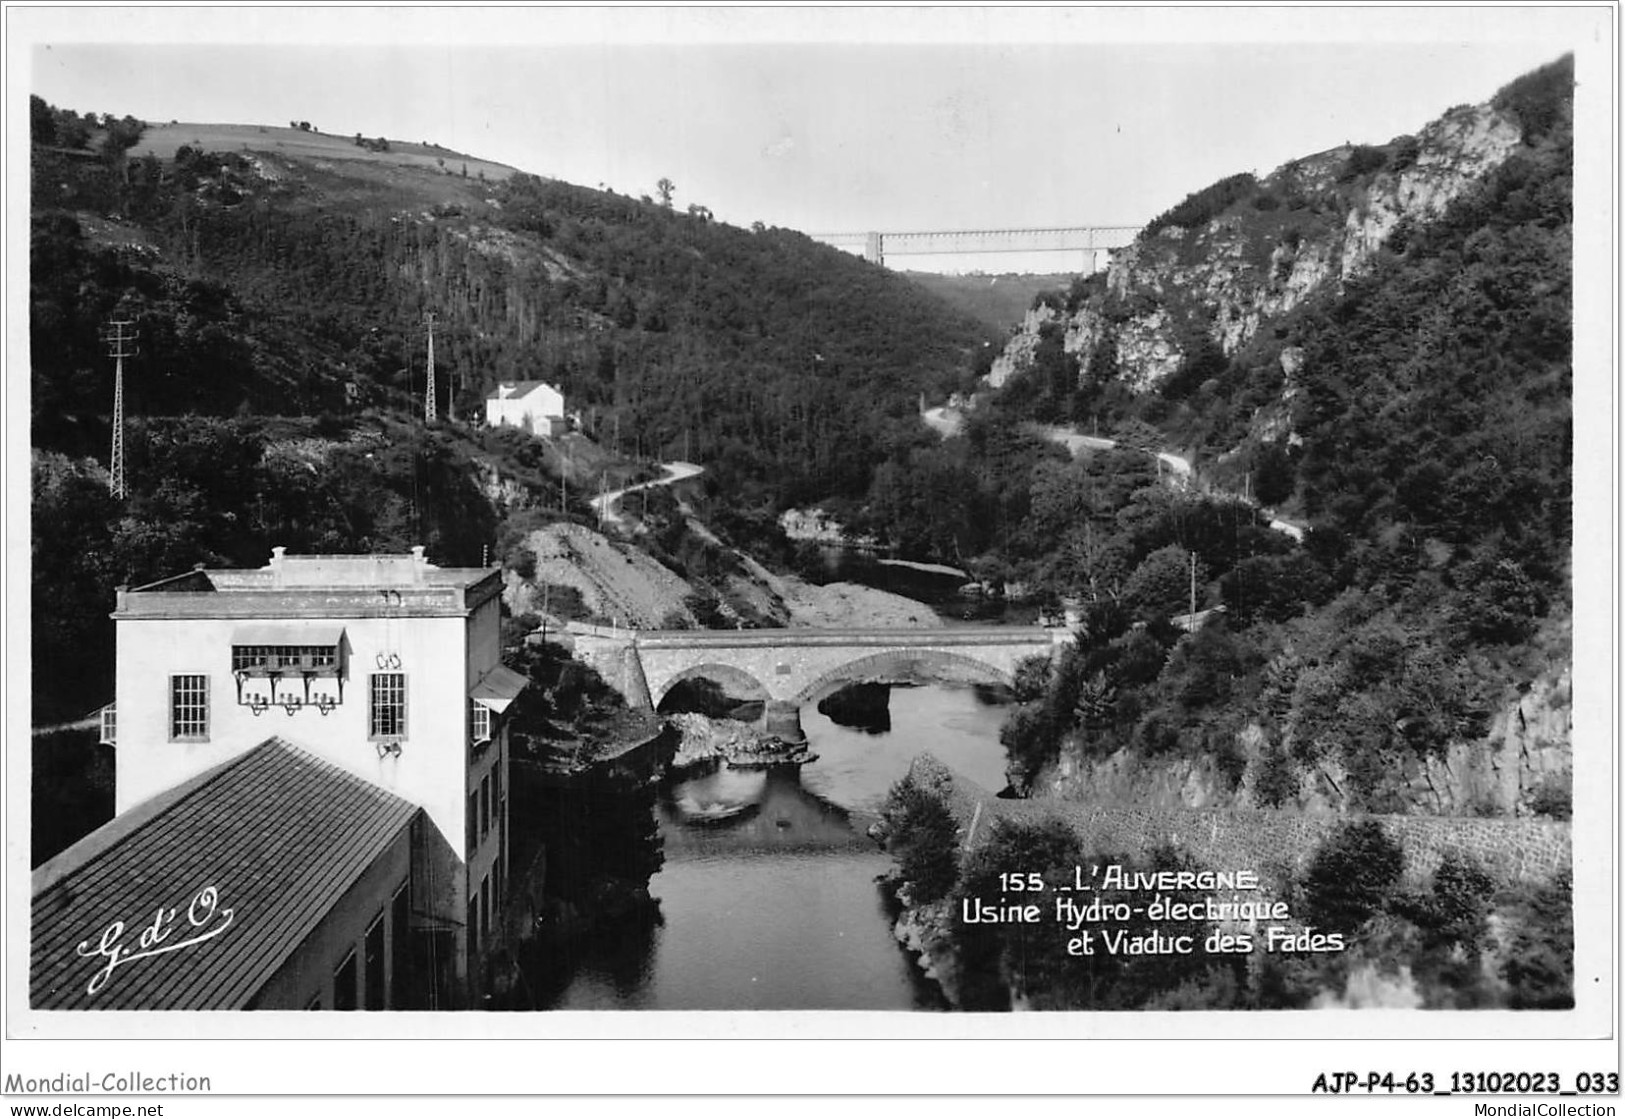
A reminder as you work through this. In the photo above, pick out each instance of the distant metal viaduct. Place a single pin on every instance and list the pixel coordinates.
(1094, 242)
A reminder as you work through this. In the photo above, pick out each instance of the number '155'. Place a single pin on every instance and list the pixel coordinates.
(1018, 883)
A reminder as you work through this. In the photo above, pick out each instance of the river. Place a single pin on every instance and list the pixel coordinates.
(767, 892)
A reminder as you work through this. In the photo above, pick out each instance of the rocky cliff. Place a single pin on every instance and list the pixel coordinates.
(1521, 768)
(1245, 251)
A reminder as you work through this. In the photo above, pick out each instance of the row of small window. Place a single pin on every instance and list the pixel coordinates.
(485, 804)
(386, 712)
(377, 981)
(245, 657)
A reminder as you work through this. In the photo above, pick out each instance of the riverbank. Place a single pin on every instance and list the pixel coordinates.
(702, 739)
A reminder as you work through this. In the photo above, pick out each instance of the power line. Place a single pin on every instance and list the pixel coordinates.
(121, 337)
(428, 396)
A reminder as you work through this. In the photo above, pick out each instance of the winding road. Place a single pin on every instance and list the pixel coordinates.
(1075, 441)
(604, 504)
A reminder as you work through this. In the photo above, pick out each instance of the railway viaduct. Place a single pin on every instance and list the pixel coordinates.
(787, 668)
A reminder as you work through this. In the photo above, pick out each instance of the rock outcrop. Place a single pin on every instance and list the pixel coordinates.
(1313, 222)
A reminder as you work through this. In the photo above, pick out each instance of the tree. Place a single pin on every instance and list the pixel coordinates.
(1274, 479)
(665, 188)
(996, 958)
(1032, 677)
(1030, 739)
(1539, 966)
(922, 835)
(1351, 877)
(41, 120)
(1160, 586)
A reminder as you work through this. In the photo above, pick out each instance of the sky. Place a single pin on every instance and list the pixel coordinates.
(819, 119)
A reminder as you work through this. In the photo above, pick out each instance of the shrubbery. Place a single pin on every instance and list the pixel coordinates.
(922, 836)
(1203, 206)
(1363, 160)
(1540, 99)
(1539, 968)
(1352, 877)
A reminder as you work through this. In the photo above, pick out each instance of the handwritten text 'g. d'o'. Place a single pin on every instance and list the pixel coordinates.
(205, 919)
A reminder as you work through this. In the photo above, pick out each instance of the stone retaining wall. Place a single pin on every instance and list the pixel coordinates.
(1510, 850)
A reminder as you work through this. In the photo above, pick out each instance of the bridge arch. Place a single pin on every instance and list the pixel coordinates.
(736, 681)
(905, 664)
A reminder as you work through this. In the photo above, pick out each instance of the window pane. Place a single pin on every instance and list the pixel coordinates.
(188, 706)
(279, 657)
(388, 711)
(479, 723)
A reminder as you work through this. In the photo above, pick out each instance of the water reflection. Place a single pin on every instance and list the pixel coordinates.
(958, 725)
(772, 811)
(766, 894)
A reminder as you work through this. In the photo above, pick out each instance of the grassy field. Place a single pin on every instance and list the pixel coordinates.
(335, 171)
(162, 140)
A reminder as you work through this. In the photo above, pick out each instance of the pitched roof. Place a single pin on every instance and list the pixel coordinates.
(514, 390)
(498, 688)
(277, 834)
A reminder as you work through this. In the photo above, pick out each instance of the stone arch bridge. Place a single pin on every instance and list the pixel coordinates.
(787, 668)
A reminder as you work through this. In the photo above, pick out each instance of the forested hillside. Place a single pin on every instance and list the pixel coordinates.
(276, 397)
(266, 283)
(1413, 416)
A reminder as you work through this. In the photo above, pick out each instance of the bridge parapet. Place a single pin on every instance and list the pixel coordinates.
(787, 668)
(855, 637)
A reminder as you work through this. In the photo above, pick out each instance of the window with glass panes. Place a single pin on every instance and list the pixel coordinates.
(188, 707)
(387, 715)
(479, 723)
(247, 658)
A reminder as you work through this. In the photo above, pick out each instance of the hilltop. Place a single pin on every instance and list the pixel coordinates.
(339, 170)
(163, 140)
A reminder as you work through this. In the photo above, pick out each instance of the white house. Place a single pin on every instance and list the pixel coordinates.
(378, 679)
(535, 406)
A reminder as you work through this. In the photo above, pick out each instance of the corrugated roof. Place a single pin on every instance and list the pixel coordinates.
(498, 688)
(279, 834)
